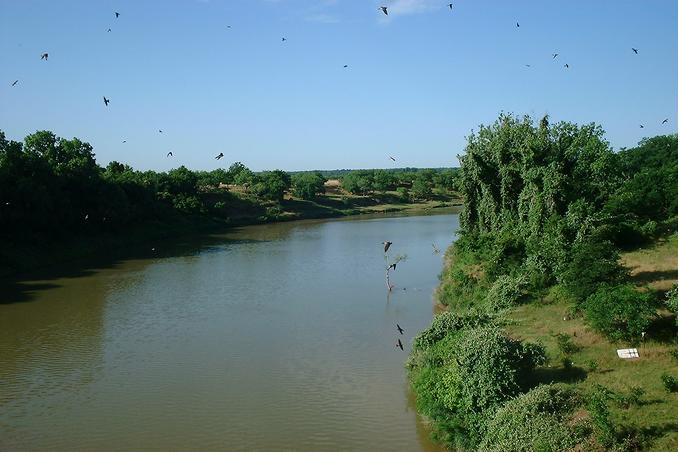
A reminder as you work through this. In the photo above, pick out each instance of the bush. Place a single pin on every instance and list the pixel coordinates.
(504, 293)
(620, 312)
(592, 263)
(670, 383)
(672, 301)
(537, 420)
(308, 185)
(447, 323)
(565, 344)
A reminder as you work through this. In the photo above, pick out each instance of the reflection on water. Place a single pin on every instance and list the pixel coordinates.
(268, 337)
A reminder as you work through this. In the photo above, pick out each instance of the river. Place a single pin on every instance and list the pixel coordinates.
(272, 337)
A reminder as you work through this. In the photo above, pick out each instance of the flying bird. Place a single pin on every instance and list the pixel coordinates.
(387, 245)
(228, 26)
(346, 65)
(642, 126)
(400, 330)
(106, 101)
(435, 248)
(124, 141)
(117, 15)
(15, 82)
(517, 25)
(450, 5)
(527, 65)
(159, 130)
(400, 345)
(555, 55)
(384, 9)
(44, 56)
(218, 157)
(393, 266)
(108, 31)
(284, 39)
(392, 158)
(169, 154)
(634, 50)
(665, 121)
(567, 66)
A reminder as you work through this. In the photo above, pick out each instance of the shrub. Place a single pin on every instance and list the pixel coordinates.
(308, 185)
(447, 323)
(670, 383)
(672, 301)
(565, 344)
(537, 420)
(600, 414)
(592, 365)
(619, 312)
(504, 293)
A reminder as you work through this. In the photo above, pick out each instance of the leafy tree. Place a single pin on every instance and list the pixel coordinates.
(358, 182)
(308, 185)
(272, 185)
(422, 188)
(383, 181)
(620, 312)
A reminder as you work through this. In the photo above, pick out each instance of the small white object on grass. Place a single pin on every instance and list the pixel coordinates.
(628, 353)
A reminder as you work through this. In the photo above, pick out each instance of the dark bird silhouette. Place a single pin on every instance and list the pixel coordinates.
(435, 248)
(387, 245)
(228, 26)
(527, 65)
(159, 130)
(108, 31)
(665, 121)
(124, 141)
(393, 266)
(642, 126)
(555, 55)
(218, 157)
(117, 15)
(400, 345)
(634, 50)
(106, 101)
(450, 5)
(517, 25)
(346, 65)
(284, 39)
(15, 82)
(384, 9)
(169, 154)
(567, 66)
(400, 330)
(392, 158)
(44, 56)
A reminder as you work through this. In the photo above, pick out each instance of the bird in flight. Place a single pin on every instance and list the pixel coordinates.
(228, 26)
(634, 50)
(527, 65)
(665, 121)
(400, 345)
(387, 245)
(450, 5)
(384, 9)
(284, 39)
(346, 65)
(117, 15)
(44, 56)
(169, 154)
(567, 66)
(159, 130)
(15, 82)
(218, 157)
(435, 248)
(517, 25)
(392, 158)
(124, 141)
(108, 31)
(106, 101)
(393, 266)
(400, 330)
(555, 55)
(642, 126)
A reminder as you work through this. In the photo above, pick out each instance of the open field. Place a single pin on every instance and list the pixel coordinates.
(596, 361)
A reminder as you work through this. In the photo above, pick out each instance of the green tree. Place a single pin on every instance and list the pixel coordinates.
(308, 185)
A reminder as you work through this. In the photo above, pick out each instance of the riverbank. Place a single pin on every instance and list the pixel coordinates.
(27, 255)
(638, 409)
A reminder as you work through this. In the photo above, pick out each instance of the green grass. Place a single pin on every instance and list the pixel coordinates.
(655, 267)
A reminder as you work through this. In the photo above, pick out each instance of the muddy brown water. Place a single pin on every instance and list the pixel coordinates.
(274, 337)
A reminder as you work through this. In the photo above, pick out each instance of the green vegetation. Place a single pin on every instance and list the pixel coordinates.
(548, 210)
(55, 200)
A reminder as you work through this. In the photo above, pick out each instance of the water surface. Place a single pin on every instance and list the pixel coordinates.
(274, 337)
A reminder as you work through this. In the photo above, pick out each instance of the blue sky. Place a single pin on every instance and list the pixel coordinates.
(418, 80)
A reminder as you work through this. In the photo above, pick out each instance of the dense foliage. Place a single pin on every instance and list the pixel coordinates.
(422, 184)
(547, 209)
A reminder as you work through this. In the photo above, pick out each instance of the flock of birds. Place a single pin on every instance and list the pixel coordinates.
(383, 9)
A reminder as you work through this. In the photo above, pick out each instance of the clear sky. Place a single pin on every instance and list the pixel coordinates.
(417, 82)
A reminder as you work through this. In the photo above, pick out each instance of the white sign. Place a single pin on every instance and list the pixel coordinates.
(628, 353)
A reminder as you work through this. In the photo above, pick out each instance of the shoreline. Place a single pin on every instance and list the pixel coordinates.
(29, 258)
